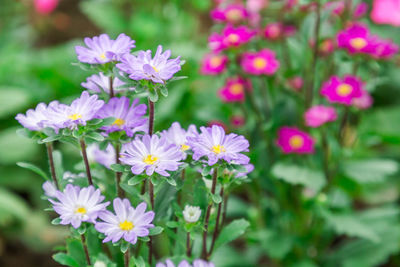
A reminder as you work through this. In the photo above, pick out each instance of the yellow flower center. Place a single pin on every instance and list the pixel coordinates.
(358, 43)
(150, 159)
(119, 122)
(184, 147)
(236, 89)
(215, 61)
(296, 141)
(234, 14)
(344, 89)
(80, 210)
(126, 225)
(155, 69)
(260, 63)
(233, 38)
(75, 116)
(218, 149)
(103, 56)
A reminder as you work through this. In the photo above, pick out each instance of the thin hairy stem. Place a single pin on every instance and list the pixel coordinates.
(118, 175)
(49, 147)
(85, 248)
(188, 247)
(126, 258)
(217, 221)
(86, 161)
(110, 80)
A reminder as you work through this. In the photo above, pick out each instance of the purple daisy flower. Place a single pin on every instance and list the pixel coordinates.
(178, 136)
(127, 222)
(101, 49)
(77, 205)
(98, 83)
(104, 157)
(202, 263)
(169, 263)
(214, 144)
(50, 190)
(151, 154)
(128, 118)
(144, 67)
(34, 117)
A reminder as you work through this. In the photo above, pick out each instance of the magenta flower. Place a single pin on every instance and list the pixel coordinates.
(386, 12)
(273, 31)
(151, 154)
(319, 115)
(143, 67)
(128, 118)
(258, 63)
(336, 7)
(343, 91)
(101, 49)
(33, 120)
(230, 37)
(213, 64)
(295, 83)
(364, 101)
(356, 39)
(360, 10)
(385, 49)
(128, 222)
(45, 7)
(214, 144)
(98, 83)
(77, 205)
(292, 140)
(326, 47)
(234, 89)
(178, 136)
(233, 13)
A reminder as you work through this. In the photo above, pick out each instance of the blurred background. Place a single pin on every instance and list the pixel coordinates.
(37, 40)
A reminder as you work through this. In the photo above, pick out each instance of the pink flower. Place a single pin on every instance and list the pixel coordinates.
(213, 64)
(355, 39)
(296, 83)
(258, 63)
(273, 31)
(289, 30)
(45, 7)
(326, 47)
(337, 7)
(255, 6)
(343, 91)
(386, 12)
(318, 115)
(237, 121)
(385, 49)
(292, 140)
(230, 37)
(234, 90)
(218, 123)
(360, 10)
(364, 101)
(233, 13)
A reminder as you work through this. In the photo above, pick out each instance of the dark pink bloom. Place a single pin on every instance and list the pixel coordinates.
(289, 30)
(292, 140)
(360, 10)
(258, 63)
(385, 49)
(230, 37)
(386, 12)
(290, 4)
(337, 7)
(356, 39)
(218, 123)
(273, 31)
(255, 6)
(343, 91)
(296, 83)
(364, 101)
(237, 121)
(45, 7)
(318, 115)
(234, 90)
(213, 64)
(232, 13)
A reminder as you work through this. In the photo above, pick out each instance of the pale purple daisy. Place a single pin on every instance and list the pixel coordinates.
(214, 144)
(178, 136)
(101, 49)
(98, 83)
(169, 263)
(202, 263)
(144, 67)
(50, 190)
(151, 154)
(77, 205)
(127, 222)
(104, 157)
(128, 118)
(34, 117)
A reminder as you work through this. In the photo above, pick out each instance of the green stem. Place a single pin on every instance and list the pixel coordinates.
(85, 248)
(49, 147)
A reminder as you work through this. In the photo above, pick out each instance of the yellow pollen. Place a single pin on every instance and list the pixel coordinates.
(234, 15)
(218, 149)
(296, 141)
(215, 61)
(358, 43)
(103, 56)
(260, 63)
(344, 89)
(119, 122)
(80, 210)
(154, 68)
(126, 225)
(75, 116)
(233, 38)
(184, 147)
(236, 89)
(150, 159)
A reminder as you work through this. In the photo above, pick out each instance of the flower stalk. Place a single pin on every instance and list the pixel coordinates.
(86, 161)
(49, 147)
(85, 248)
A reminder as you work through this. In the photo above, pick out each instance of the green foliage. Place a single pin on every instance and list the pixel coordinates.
(232, 231)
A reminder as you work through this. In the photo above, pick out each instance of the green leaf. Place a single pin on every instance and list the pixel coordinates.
(136, 179)
(65, 259)
(232, 231)
(95, 136)
(294, 174)
(153, 95)
(216, 198)
(206, 170)
(370, 170)
(172, 224)
(156, 230)
(239, 168)
(137, 262)
(75, 250)
(124, 247)
(51, 138)
(12, 100)
(164, 90)
(117, 167)
(33, 168)
(56, 221)
(276, 244)
(170, 180)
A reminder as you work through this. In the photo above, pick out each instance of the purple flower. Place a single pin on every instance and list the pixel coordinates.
(249, 169)
(202, 263)
(49, 189)
(144, 67)
(214, 144)
(79, 112)
(151, 154)
(169, 263)
(178, 136)
(128, 118)
(34, 117)
(104, 157)
(127, 222)
(98, 83)
(101, 49)
(77, 205)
